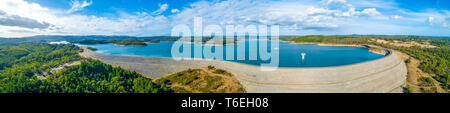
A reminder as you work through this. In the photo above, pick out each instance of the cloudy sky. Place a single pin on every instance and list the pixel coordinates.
(20, 18)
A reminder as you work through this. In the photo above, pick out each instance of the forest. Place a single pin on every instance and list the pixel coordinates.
(27, 68)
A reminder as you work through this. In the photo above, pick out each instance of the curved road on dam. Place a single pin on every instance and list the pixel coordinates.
(384, 75)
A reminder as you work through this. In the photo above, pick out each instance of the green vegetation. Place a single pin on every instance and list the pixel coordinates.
(130, 43)
(136, 41)
(117, 42)
(93, 76)
(327, 39)
(434, 60)
(203, 80)
(34, 58)
(210, 67)
(219, 71)
(95, 41)
(26, 68)
(92, 49)
(32, 68)
(408, 60)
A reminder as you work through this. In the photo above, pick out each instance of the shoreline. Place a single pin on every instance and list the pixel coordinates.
(326, 44)
(128, 45)
(338, 45)
(288, 80)
(342, 45)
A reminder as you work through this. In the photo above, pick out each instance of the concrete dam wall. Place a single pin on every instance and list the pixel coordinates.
(383, 75)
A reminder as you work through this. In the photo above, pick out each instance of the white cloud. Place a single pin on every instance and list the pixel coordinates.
(370, 12)
(333, 4)
(78, 6)
(162, 8)
(439, 22)
(289, 14)
(15, 20)
(139, 23)
(396, 17)
(294, 17)
(430, 20)
(174, 10)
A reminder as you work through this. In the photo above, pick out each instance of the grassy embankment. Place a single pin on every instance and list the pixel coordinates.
(204, 80)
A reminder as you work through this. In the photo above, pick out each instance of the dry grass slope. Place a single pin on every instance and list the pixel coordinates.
(204, 80)
(417, 80)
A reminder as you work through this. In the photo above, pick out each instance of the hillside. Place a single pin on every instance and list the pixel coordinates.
(204, 80)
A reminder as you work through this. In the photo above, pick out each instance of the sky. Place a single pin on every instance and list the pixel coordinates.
(20, 18)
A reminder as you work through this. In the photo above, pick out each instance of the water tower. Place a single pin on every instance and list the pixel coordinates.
(303, 57)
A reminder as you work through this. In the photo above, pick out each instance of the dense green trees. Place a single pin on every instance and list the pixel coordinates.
(26, 68)
(93, 76)
(130, 43)
(327, 39)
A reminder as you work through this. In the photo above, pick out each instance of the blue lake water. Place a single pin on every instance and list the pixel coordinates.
(289, 54)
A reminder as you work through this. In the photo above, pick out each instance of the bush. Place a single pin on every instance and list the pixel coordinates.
(92, 49)
(408, 60)
(210, 67)
(429, 80)
(408, 89)
(219, 71)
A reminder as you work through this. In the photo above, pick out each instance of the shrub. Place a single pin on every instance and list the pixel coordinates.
(92, 49)
(408, 60)
(219, 71)
(210, 67)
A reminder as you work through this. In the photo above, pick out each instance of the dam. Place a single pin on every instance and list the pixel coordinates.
(382, 75)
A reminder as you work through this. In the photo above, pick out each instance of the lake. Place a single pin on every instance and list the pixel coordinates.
(289, 54)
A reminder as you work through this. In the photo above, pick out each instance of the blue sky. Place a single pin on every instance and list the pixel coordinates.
(20, 18)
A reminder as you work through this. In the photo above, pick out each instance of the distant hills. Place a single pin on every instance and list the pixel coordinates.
(72, 38)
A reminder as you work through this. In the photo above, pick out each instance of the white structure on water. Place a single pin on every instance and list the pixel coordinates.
(303, 56)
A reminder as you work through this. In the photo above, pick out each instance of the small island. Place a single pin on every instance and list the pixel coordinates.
(92, 49)
(129, 43)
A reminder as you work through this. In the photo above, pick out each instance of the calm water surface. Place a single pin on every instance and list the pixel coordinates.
(290, 54)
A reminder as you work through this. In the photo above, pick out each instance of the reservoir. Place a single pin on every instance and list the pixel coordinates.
(290, 55)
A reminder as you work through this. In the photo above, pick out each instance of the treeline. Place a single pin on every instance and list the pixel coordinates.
(34, 57)
(93, 76)
(134, 41)
(117, 42)
(124, 41)
(26, 68)
(433, 60)
(327, 39)
(49, 38)
(131, 43)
